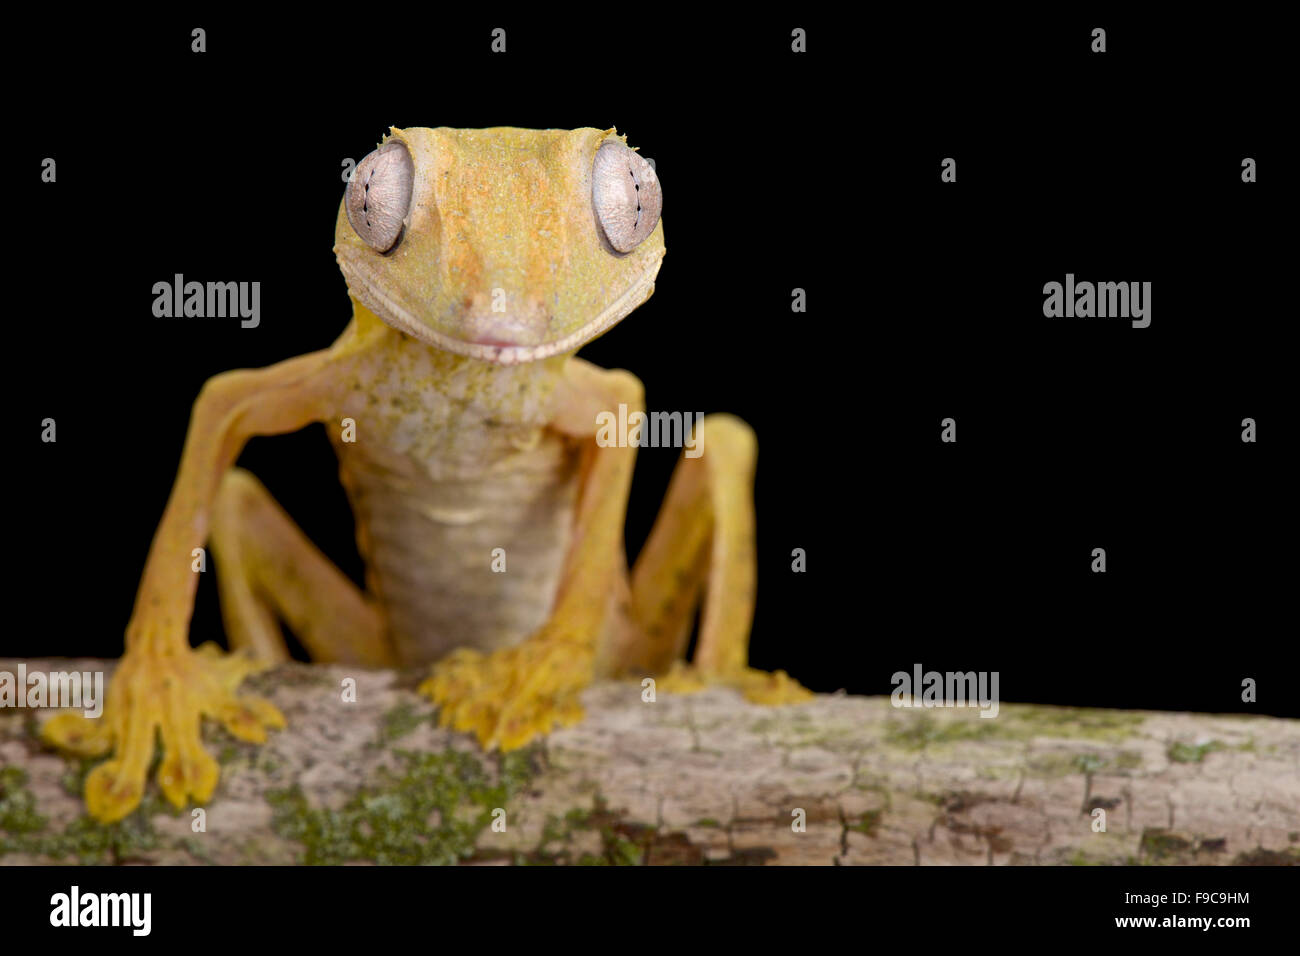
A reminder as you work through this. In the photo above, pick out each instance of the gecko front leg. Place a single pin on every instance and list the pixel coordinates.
(162, 684)
(702, 548)
(508, 697)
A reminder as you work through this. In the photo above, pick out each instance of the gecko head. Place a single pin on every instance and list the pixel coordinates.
(507, 245)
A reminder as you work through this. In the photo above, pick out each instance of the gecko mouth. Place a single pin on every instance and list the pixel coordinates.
(491, 348)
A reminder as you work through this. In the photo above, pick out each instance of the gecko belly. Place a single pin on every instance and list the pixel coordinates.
(430, 545)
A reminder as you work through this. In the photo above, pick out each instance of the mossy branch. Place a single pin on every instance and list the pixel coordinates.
(703, 779)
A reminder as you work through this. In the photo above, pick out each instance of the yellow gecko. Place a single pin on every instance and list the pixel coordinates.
(478, 262)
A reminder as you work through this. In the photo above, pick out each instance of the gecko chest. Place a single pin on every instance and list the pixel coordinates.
(463, 502)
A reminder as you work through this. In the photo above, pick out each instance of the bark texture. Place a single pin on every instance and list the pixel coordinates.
(699, 779)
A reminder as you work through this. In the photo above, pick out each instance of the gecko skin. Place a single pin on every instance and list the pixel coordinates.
(478, 262)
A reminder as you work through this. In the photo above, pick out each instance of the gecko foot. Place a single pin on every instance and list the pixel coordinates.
(167, 692)
(774, 688)
(510, 696)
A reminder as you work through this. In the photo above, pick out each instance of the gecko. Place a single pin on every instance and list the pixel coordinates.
(477, 262)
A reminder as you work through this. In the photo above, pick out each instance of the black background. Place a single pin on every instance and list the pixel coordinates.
(818, 171)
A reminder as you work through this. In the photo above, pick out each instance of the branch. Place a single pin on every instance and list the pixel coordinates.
(708, 778)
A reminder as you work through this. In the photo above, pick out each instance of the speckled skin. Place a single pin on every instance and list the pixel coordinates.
(457, 460)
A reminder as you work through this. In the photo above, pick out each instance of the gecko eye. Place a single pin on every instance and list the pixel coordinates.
(626, 194)
(379, 196)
